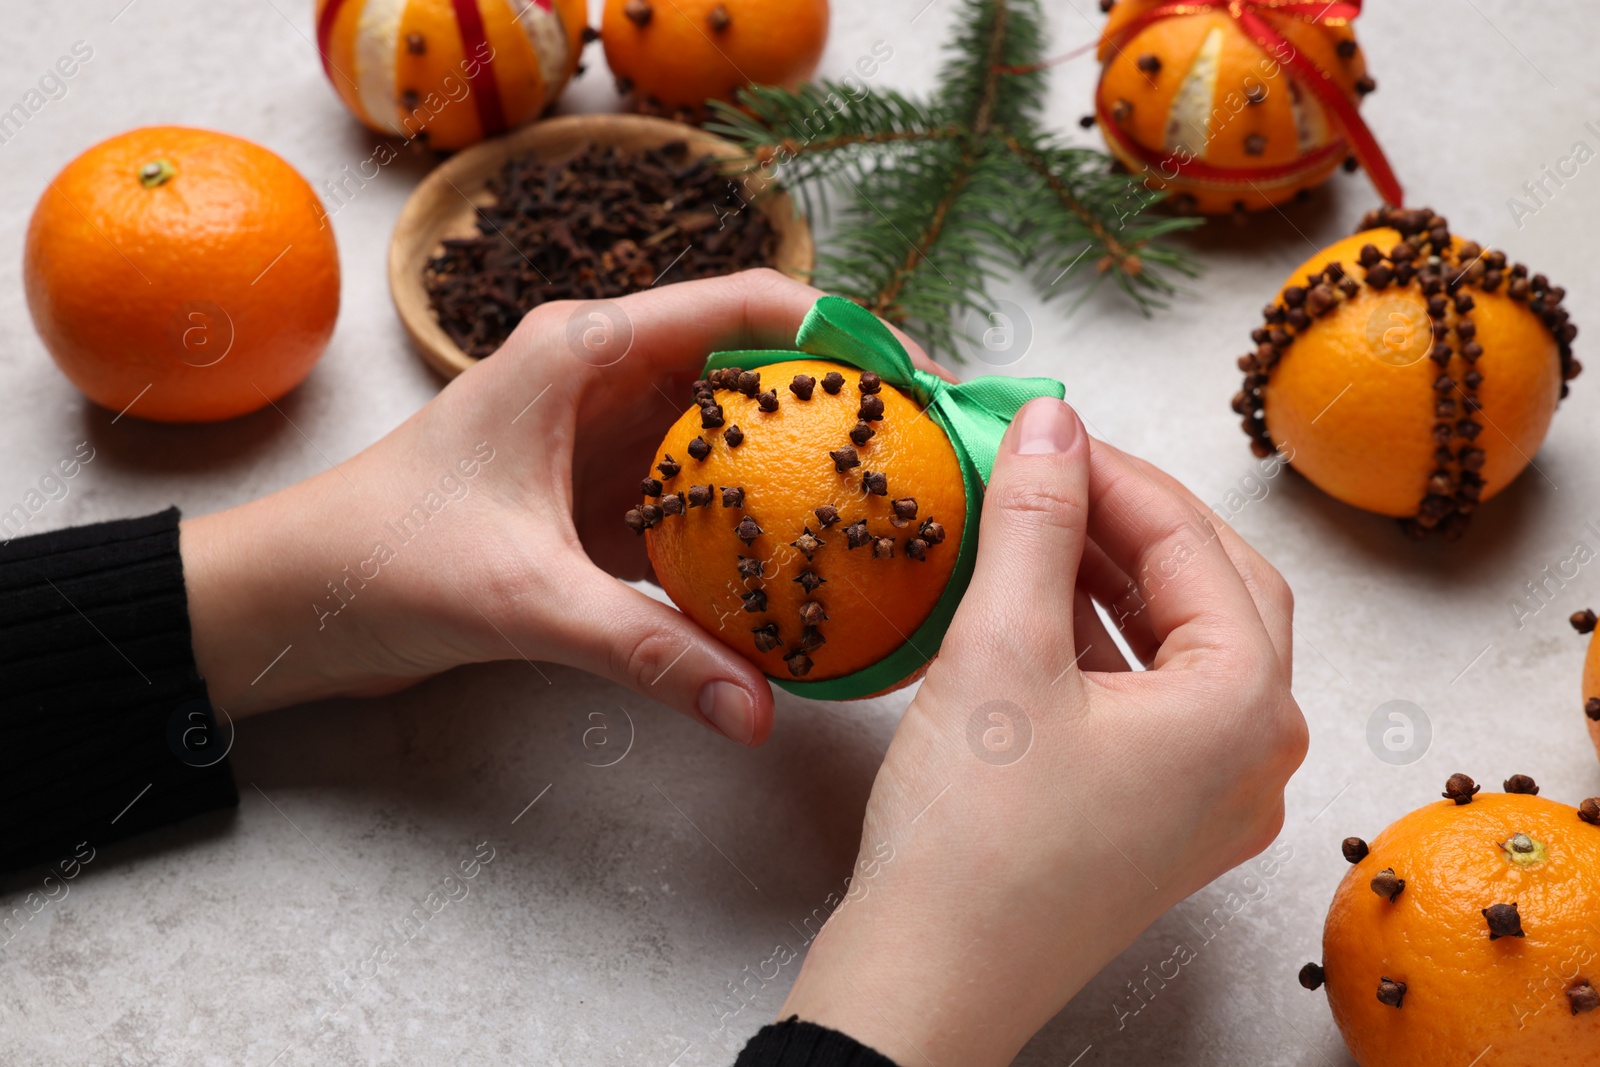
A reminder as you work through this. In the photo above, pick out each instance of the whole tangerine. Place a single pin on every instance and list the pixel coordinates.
(449, 73)
(680, 54)
(1408, 372)
(1465, 933)
(806, 514)
(1195, 103)
(1584, 622)
(181, 275)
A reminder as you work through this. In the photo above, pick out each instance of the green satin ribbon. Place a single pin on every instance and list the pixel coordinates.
(974, 415)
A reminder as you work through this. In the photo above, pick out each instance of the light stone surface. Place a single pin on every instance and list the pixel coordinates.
(619, 911)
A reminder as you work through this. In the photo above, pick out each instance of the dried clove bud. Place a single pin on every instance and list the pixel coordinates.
(711, 416)
(905, 508)
(1312, 976)
(650, 487)
(1521, 783)
(811, 638)
(768, 401)
(876, 483)
(699, 448)
(862, 433)
(1591, 708)
(733, 496)
(1385, 884)
(844, 459)
(870, 382)
(856, 535)
(883, 548)
(755, 601)
(635, 520)
(809, 580)
(917, 548)
(1583, 998)
(1589, 811)
(871, 408)
(669, 467)
(749, 568)
(1149, 63)
(747, 530)
(639, 12)
(812, 613)
(1460, 789)
(699, 496)
(733, 435)
(1503, 921)
(652, 515)
(799, 663)
(807, 543)
(749, 382)
(416, 44)
(767, 637)
(674, 504)
(1391, 992)
(802, 386)
(719, 19)
(827, 515)
(1355, 850)
(832, 382)
(931, 532)
(1582, 621)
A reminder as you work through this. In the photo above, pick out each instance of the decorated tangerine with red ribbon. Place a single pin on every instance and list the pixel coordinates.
(449, 72)
(1234, 105)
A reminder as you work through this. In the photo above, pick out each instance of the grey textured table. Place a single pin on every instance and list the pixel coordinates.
(621, 912)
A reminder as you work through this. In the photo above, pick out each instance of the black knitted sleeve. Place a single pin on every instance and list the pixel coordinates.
(105, 728)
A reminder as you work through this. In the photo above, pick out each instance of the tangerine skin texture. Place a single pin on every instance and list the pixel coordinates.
(681, 61)
(116, 274)
(1360, 427)
(873, 605)
(1591, 688)
(1464, 992)
(1230, 122)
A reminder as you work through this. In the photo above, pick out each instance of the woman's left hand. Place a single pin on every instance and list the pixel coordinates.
(489, 524)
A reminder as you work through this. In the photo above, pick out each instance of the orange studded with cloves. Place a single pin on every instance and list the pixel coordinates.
(1471, 924)
(820, 518)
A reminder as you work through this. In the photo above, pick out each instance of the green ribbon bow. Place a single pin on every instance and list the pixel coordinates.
(974, 415)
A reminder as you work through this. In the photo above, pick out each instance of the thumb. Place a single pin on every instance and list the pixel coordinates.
(658, 652)
(1035, 521)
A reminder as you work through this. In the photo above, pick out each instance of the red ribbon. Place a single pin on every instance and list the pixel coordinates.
(1247, 13)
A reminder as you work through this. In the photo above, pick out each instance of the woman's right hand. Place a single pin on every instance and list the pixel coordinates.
(1041, 804)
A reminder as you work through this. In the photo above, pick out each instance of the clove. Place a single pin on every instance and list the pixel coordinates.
(931, 532)
(749, 568)
(832, 382)
(812, 613)
(799, 663)
(1589, 811)
(650, 487)
(635, 520)
(669, 467)
(883, 548)
(733, 496)
(917, 549)
(673, 504)
(807, 543)
(1460, 789)
(711, 416)
(827, 515)
(1312, 976)
(871, 408)
(1355, 850)
(875, 483)
(755, 601)
(733, 435)
(747, 530)
(699, 448)
(768, 401)
(856, 534)
(905, 509)
(1391, 992)
(639, 12)
(802, 386)
(870, 382)
(811, 638)
(766, 637)
(749, 382)
(1582, 621)
(862, 433)
(1591, 708)
(809, 580)
(844, 459)
(699, 496)
(1503, 921)
(1521, 783)
(1583, 998)
(1385, 884)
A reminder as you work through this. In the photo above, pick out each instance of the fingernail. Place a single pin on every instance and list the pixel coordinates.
(728, 708)
(1046, 426)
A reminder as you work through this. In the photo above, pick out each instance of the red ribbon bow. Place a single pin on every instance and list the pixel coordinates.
(1247, 13)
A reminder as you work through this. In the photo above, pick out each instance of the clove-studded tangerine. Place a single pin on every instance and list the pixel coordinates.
(1491, 944)
(1407, 371)
(750, 571)
(1584, 622)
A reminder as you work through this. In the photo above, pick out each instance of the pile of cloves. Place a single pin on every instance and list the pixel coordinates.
(1445, 276)
(808, 542)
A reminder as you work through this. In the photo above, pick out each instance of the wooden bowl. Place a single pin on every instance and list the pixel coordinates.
(445, 205)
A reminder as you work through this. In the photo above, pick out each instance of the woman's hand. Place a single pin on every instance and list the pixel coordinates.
(1041, 804)
(489, 525)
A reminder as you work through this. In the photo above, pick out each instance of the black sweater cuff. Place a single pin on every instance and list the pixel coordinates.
(105, 727)
(792, 1043)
